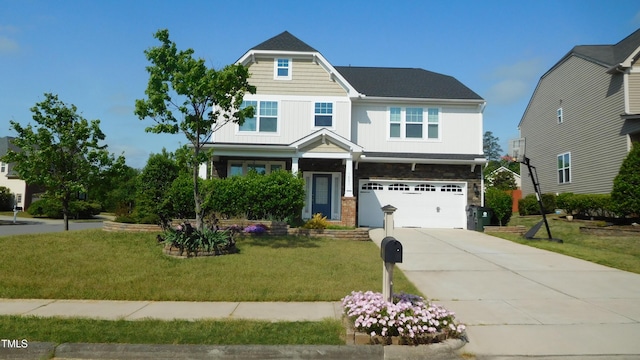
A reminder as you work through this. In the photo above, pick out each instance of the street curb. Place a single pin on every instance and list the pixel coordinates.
(70, 351)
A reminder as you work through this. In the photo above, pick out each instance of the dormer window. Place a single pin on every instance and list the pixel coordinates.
(282, 69)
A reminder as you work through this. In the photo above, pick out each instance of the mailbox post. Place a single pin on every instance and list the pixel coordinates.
(388, 211)
(391, 253)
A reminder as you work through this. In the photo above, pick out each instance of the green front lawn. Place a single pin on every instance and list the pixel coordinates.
(620, 252)
(93, 264)
(229, 332)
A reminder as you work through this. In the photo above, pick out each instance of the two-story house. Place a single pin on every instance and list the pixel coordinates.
(582, 118)
(363, 137)
(22, 193)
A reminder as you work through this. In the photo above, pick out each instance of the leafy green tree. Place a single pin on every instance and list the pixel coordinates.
(501, 204)
(491, 146)
(153, 186)
(625, 195)
(185, 96)
(61, 152)
(502, 180)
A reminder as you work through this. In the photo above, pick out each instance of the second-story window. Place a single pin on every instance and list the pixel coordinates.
(559, 115)
(282, 69)
(323, 114)
(409, 123)
(3, 167)
(265, 119)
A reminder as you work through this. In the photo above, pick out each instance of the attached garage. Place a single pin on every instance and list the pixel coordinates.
(428, 204)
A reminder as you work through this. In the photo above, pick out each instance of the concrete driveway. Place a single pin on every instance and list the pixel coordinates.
(520, 301)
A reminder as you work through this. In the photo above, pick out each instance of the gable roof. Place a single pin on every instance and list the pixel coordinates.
(405, 83)
(605, 55)
(6, 144)
(284, 42)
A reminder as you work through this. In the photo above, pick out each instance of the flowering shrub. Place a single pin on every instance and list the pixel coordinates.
(410, 317)
(256, 229)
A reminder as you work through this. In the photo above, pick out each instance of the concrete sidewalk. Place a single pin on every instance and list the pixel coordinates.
(521, 301)
(172, 310)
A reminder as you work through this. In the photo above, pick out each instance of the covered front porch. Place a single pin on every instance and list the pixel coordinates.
(324, 159)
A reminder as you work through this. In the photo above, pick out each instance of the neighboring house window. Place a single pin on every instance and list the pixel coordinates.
(559, 113)
(564, 168)
(241, 168)
(265, 118)
(323, 114)
(2, 167)
(282, 69)
(18, 199)
(408, 123)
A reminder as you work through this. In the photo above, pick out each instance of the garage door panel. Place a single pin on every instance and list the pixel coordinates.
(419, 204)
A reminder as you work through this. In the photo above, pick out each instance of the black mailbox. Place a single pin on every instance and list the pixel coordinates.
(391, 250)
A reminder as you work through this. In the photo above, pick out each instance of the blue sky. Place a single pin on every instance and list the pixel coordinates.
(90, 53)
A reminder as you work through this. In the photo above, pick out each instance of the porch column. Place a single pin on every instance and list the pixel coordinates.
(348, 178)
(294, 165)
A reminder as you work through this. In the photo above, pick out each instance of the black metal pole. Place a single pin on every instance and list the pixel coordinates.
(536, 187)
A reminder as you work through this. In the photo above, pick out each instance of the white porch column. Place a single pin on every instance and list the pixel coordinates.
(348, 178)
(294, 165)
(202, 170)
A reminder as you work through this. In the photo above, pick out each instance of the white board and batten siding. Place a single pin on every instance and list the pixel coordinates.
(591, 102)
(633, 97)
(427, 204)
(460, 126)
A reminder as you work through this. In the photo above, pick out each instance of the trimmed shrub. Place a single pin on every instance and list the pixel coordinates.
(52, 208)
(529, 204)
(6, 199)
(501, 204)
(566, 202)
(276, 196)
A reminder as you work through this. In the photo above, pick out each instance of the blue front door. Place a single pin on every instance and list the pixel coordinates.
(321, 195)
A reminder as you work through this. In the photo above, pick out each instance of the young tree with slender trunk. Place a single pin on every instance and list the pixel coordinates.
(185, 96)
(61, 152)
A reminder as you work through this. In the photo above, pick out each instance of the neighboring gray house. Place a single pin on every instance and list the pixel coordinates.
(362, 137)
(582, 118)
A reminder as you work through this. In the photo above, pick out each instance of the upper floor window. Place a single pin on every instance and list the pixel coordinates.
(408, 123)
(282, 69)
(265, 119)
(564, 168)
(3, 167)
(323, 114)
(559, 115)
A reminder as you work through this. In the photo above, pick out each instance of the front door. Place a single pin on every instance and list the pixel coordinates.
(321, 197)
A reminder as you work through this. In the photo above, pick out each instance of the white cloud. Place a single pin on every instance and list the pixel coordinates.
(513, 82)
(8, 46)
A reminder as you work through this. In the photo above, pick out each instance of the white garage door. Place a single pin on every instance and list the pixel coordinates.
(420, 203)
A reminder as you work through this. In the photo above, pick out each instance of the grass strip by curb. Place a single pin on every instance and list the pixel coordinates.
(201, 332)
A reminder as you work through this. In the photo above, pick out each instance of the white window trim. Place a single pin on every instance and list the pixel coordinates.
(257, 116)
(275, 69)
(566, 167)
(560, 115)
(3, 167)
(245, 165)
(403, 124)
(333, 115)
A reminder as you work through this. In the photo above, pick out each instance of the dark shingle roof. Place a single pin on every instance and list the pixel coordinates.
(284, 42)
(607, 55)
(405, 83)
